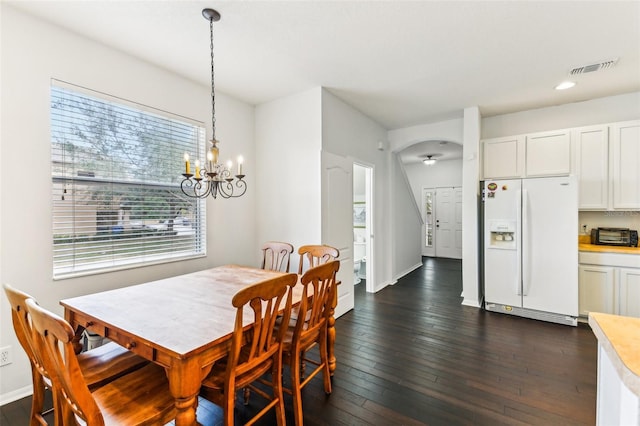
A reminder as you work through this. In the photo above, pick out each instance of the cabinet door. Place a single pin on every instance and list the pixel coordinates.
(629, 294)
(592, 146)
(625, 152)
(503, 157)
(548, 154)
(597, 289)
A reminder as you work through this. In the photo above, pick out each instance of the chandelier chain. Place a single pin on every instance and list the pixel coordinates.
(213, 96)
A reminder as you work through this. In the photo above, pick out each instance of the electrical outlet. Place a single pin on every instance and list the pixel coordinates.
(5, 356)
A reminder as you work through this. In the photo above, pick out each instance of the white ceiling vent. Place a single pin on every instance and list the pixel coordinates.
(598, 66)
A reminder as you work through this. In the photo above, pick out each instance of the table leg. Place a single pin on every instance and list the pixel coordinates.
(77, 338)
(185, 377)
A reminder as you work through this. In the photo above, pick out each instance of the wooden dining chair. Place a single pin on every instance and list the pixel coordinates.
(140, 397)
(310, 328)
(99, 366)
(314, 255)
(261, 353)
(311, 256)
(276, 256)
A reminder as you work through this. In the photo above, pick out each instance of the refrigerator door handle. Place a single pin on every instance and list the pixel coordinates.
(519, 244)
(525, 240)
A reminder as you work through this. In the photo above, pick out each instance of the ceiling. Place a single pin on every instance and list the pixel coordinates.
(439, 150)
(402, 63)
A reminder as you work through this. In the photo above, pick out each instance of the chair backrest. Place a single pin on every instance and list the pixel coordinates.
(276, 256)
(53, 336)
(265, 300)
(22, 326)
(319, 285)
(314, 255)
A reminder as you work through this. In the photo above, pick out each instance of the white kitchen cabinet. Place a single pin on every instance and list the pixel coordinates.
(605, 277)
(531, 155)
(629, 294)
(625, 158)
(503, 158)
(597, 289)
(592, 167)
(548, 154)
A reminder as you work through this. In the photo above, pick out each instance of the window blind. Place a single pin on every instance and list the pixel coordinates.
(116, 167)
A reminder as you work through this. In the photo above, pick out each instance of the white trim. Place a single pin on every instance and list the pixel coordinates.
(9, 397)
(407, 271)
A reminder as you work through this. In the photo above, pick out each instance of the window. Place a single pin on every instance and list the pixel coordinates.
(428, 217)
(115, 169)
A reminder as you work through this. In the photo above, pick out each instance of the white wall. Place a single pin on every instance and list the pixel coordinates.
(33, 52)
(349, 133)
(450, 130)
(442, 174)
(288, 146)
(471, 291)
(406, 222)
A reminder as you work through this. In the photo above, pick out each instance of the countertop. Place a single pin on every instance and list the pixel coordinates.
(584, 244)
(620, 338)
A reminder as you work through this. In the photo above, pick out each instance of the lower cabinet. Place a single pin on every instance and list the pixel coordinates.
(629, 295)
(597, 286)
(607, 285)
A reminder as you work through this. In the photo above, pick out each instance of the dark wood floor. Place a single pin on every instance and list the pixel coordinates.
(412, 354)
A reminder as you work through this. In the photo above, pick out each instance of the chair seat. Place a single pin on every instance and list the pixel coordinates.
(108, 362)
(139, 398)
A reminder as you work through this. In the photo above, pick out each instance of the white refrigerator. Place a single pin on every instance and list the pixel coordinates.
(531, 248)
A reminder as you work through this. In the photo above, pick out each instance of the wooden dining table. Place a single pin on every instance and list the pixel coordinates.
(183, 323)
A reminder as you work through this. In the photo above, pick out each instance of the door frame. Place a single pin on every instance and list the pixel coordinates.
(369, 222)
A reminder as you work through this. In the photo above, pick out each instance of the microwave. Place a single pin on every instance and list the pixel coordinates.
(614, 237)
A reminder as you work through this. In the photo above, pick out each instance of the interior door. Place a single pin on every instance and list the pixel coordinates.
(448, 232)
(337, 221)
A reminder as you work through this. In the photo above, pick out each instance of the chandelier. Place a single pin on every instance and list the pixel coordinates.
(212, 177)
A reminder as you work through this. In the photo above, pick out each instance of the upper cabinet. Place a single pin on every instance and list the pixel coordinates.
(625, 152)
(592, 166)
(606, 159)
(548, 154)
(607, 166)
(503, 158)
(531, 155)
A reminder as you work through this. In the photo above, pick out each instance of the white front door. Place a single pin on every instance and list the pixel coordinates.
(448, 231)
(337, 221)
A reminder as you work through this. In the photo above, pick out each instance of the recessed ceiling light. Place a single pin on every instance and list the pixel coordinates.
(565, 85)
(429, 161)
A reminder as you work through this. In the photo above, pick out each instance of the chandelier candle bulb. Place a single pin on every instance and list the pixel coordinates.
(214, 154)
(186, 164)
(197, 169)
(240, 160)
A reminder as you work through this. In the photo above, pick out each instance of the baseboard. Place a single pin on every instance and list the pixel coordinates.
(383, 285)
(15, 395)
(407, 271)
(473, 303)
